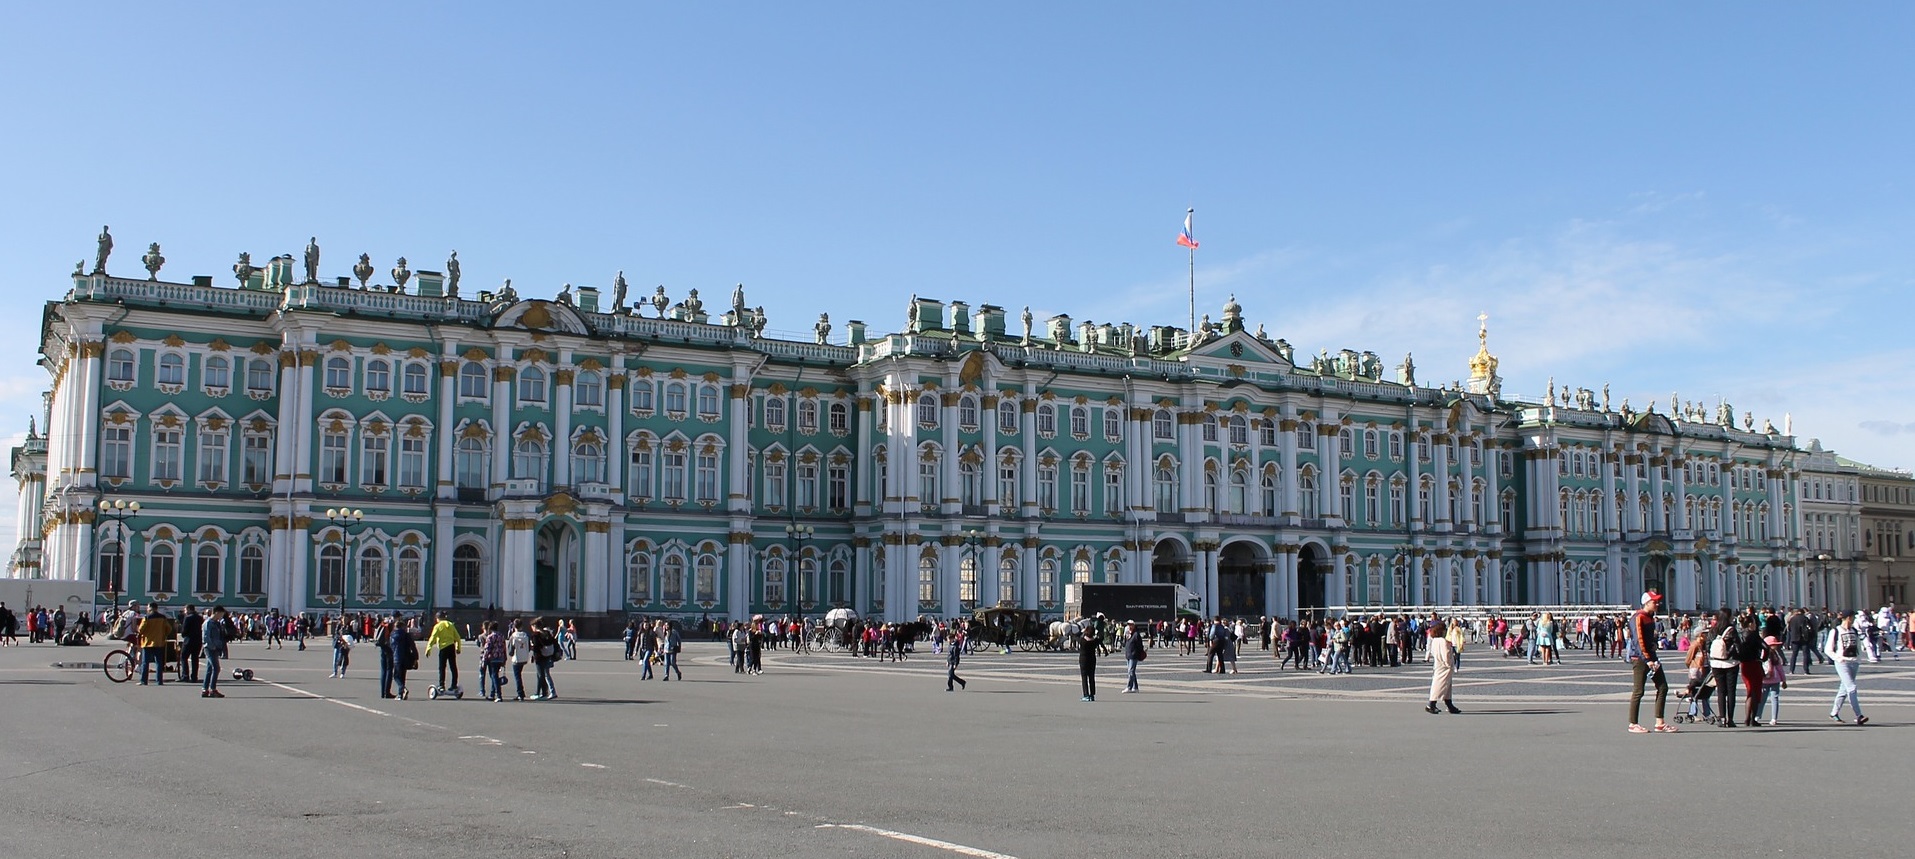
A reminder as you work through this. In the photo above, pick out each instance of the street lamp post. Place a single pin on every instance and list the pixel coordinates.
(119, 510)
(346, 519)
(797, 534)
(1824, 560)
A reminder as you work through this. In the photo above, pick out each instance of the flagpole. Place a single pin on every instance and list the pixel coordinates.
(1188, 214)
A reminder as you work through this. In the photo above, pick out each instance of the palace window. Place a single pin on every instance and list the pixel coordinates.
(332, 571)
(1047, 579)
(161, 569)
(1166, 490)
(707, 476)
(1080, 488)
(532, 386)
(1007, 570)
(1046, 420)
(338, 373)
(1113, 424)
(638, 577)
(411, 574)
(332, 458)
(1210, 427)
(373, 450)
(775, 412)
(807, 485)
(1113, 490)
(967, 412)
(927, 579)
(417, 379)
(588, 462)
(207, 570)
(472, 381)
(1007, 484)
(252, 571)
(675, 399)
(1161, 426)
(218, 373)
(641, 474)
(708, 402)
(839, 417)
(642, 396)
(774, 484)
(412, 461)
(120, 365)
(928, 411)
(372, 574)
(116, 451)
(706, 570)
(378, 376)
(212, 456)
(172, 370)
(167, 453)
(259, 376)
(838, 493)
(807, 415)
(1306, 437)
(528, 460)
(1268, 433)
(1047, 487)
(1239, 430)
(671, 579)
(588, 389)
(470, 464)
(774, 581)
(1007, 417)
(1080, 422)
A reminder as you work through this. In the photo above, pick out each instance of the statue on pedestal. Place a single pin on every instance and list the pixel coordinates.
(363, 271)
(1026, 317)
(507, 294)
(660, 302)
(153, 261)
(738, 301)
(565, 296)
(693, 304)
(1605, 397)
(452, 275)
(102, 249)
(822, 330)
(758, 321)
(618, 293)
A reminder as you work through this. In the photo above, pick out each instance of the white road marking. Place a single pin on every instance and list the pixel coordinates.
(361, 707)
(669, 783)
(960, 849)
(593, 766)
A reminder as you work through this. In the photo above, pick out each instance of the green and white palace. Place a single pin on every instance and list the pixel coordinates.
(325, 446)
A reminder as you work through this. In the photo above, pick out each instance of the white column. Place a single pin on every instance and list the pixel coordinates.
(950, 489)
(738, 445)
(1440, 489)
(615, 585)
(1027, 436)
(1287, 442)
(1190, 473)
(562, 420)
(617, 455)
(860, 475)
(447, 434)
(597, 567)
(987, 422)
(442, 555)
(1330, 455)
(1412, 453)
(502, 427)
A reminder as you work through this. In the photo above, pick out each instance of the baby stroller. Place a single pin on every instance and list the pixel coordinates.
(1698, 697)
(1513, 644)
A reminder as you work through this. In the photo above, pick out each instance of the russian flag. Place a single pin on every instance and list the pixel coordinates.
(1184, 238)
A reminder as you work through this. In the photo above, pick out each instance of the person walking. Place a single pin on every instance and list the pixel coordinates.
(1750, 652)
(1645, 667)
(341, 647)
(545, 651)
(215, 631)
(951, 657)
(1799, 633)
(631, 639)
(646, 638)
(1775, 680)
(1844, 647)
(1442, 654)
(1087, 660)
(518, 649)
(492, 661)
(670, 642)
(405, 654)
(383, 638)
(1134, 652)
(1723, 666)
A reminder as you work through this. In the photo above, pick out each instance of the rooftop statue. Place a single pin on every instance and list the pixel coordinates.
(452, 275)
(507, 294)
(401, 274)
(660, 302)
(618, 292)
(102, 249)
(565, 295)
(153, 261)
(693, 304)
(243, 270)
(738, 299)
(363, 271)
(822, 330)
(1027, 322)
(312, 260)
(79, 269)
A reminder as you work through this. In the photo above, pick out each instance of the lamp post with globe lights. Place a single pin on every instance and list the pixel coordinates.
(118, 511)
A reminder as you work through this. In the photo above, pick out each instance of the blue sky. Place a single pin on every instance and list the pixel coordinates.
(1710, 199)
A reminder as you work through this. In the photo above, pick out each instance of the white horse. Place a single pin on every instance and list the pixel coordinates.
(1064, 634)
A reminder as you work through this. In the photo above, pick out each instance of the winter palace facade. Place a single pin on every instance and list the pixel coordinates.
(312, 446)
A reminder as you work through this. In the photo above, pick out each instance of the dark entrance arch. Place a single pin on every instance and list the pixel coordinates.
(1168, 563)
(1313, 575)
(1240, 582)
(555, 558)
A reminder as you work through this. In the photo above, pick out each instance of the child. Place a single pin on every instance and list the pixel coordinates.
(1776, 680)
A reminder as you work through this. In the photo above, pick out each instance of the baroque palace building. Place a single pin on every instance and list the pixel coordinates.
(312, 446)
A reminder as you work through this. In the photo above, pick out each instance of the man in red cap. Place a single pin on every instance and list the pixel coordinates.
(1645, 666)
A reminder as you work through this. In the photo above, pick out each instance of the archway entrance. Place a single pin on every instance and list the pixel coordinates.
(1240, 583)
(1655, 575)
(1313, 575)
(1168, 563)
(555, 568)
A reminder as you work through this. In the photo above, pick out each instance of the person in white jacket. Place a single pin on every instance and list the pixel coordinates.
(1845, 645)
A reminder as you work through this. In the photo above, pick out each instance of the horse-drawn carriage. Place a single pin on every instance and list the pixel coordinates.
(1006, 626)
(837, 631)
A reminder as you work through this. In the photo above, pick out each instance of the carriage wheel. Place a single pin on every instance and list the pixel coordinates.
(1027, 644)
(119, 666)
(833, 643)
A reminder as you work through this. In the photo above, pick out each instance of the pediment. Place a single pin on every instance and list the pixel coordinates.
(1239, 347)
(540, 315)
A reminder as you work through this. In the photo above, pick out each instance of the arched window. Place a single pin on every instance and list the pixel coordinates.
(1081, 570)
(1007, 417)
(332, 571)
(708, 402)
(372, 574)
(252, 571)
(1307, 492)
(642, 396)
(161, 570)
(1047, 580)
(532, 386)
(411, 576)
(218, 373)
(1240, 490)
(207, 570)
(588, 462)
(417, 379)
(1046, 420)
(638, 577)
(1080, 422)
(928, 411)
(706, 568)
(967, 412)
(927, 578)
(774, 596)
(808, 415)
(1161, 427)
(775, 412)
(172, 370)
(1166, 489)
(838, 416)
(119, 365)
(378, 376)
(470, 464)
(967, 580)
(671, 579)
(472, 381)
(468, 571)
(588, 389)
(675, 399)
(259, 376)
(338, 373)
(837, 591)
(1007, 570)
(528, 460)
(807, 582)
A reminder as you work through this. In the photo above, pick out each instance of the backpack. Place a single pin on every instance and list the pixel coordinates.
(547, 645)
(1723, 648)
